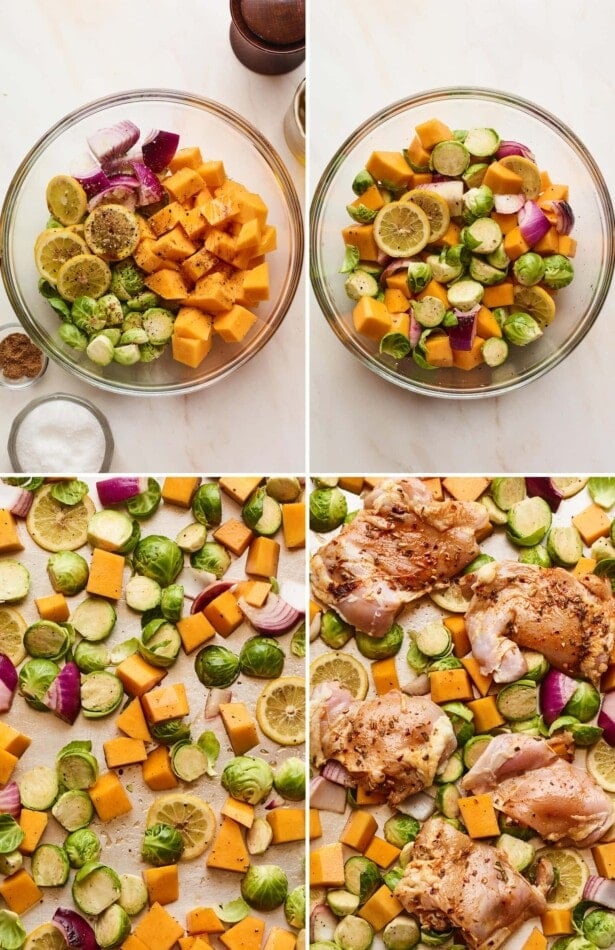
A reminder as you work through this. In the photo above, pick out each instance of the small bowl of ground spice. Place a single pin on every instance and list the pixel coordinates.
(21, 361)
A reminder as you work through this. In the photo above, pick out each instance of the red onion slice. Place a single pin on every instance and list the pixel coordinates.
(335, 772)
(393, 267)
(601, 890)
(420, 806)
(77, 931)
(159, 148)
(208, 594)
(116, 194)
(533, 223)
(555, 691)
(91, 176)
(544, 488)
(10, 801)
(275, 617)
(462, 336)
(323, 923)
(508, 204)
(510, 147)
(214, 700)
(564, 216)
(606, 718)
(414, 333)
(8, 682)
(64, 695)
(114, 141)
(114, 491)
(22, 505)
(276, 801)
(327, 796)
(150, 189)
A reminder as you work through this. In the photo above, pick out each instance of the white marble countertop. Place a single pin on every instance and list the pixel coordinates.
(365, 56)
(55, 57)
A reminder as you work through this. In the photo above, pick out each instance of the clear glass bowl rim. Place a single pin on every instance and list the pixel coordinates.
(435, 95)
(265, 149)
(67, 397)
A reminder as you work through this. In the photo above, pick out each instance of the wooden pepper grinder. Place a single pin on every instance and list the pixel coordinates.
(268, 36)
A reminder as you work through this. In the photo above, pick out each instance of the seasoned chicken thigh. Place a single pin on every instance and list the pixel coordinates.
(570, 620)
(402, 545)
(393, 744)
(453, 881)
(534, 786)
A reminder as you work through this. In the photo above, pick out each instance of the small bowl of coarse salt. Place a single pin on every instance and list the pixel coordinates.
(60, 433)
(21, 361)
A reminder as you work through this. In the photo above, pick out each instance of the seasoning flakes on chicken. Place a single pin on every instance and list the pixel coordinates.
(402, 545)
(534, 786)
(393, 744)
(453, 881)
(568, 619)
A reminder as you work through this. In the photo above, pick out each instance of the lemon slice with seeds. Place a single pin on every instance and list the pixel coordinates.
(569, 486)
(190, 815)
(45, 937)
(53, 248)
(601, 765)
(112, 231)
(83, 276)
(66, 199)
(12, 628)
(280, 710)
(572, 873)
(57, 527)
(401, 229)
(436, 209)
(343, 668)
(537, 302)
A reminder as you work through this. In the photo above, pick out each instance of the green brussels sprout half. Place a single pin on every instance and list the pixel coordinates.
(585, 736)
(148, 352)
(159, 558)
(521, 329)
(334, 631)
(361, 213)
(82, 846)
(283, 489)
(529, 269)
(68, 572)
(216, 666)
(69, 493)
(146, 300)
(400, 829)
(584, 702)
(351, 259)
(126, 280)
(599, 927)
(362, 181)
(380, 648)
(109, 309)
(207, 504)
(262, 657)
(72, 336)
(90, 657)
(12, 933)
(84, 316)
(297, 643)
(248, 778)
(537, 554)
(171, 731)
(209, 743)
(172, 601)
(213, 558)
(328, 509)
(294, 907)
(264, 886)
(479, 201)
(252, 511)
(419, 275)
(11, 834)
(559, 271)
(289, 779)
(35, 678)
(162, 844)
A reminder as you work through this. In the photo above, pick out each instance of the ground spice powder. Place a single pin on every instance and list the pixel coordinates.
(19, 357)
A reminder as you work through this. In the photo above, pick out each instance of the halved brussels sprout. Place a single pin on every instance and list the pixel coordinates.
(216, 666)
(171, 731)
(35, 678)
(294, 907)
(521, 329)
(328, 508)
(380, 648)
(68, 572)
(334, 631)
(599, 927)
(159, 558)
(478, 201)
(419, 275)
(263, 657)
(289, 779)
(82, 846)
(126, 280)
(559, 271)
(12, 933)
(213, 558)
(400, 829)
(529, 269)
(264, 886)
(90, 657)
(162, 844)
(207, 504)
(248, 778)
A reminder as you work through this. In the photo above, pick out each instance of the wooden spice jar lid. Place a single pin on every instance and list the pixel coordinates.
(268, 36)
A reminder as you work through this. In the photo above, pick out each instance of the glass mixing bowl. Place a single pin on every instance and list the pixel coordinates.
(221, 134)
(557, 149)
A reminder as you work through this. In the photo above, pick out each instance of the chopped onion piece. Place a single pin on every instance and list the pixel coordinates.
(606, 718)
(327, 796)
(555, 691)
(510, 147)
(113, 491)
(414, 334)
(116, 194)
(508, 204)
(392, 268)
(10, 801)
(91, 176)
(275, 617)
(533, 223)
(335, 772)
(544, 488)
(8, 682)
(77, 931)
(214, 701)
(462, 336)
(601, 890)
(420, 806)
(22, 505)
(564, 216)
(114, 141)
(150, 189)
(64, 695)
(322, 924)
(159, 148)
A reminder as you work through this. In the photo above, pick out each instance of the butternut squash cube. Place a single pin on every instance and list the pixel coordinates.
(175, 245)
(384, 674)
(109, 797)
(53, 607)
(195, 630)
(194, 224)
(364, 797)
(240, 489)
(124, 751)
(486, 714)
(486, 324)
(389, 166)
(293, 524)
(548, 244)
(469, 359)
(315, 824)
(361, 236)
(132, 721)
(418, 156)
(604, 858)
(268, 243)
(13, 741)
(254, 593)
(482, 682)
(535, 941)
(280, 939)
(256, 283)
(20, 892)
(234, 535)
(157, 929)
(198, 265)
(381, 852)
(189, 157)
(203, 920)
(33, 824)
(251, 205)
(359, 830)
(166, 219)
(228, 852)
(8, 761)
(287, 824)
(327, 866)
(234, 324)
(592, 523)
(399, 282)
(351, 483)
(380, 908)
(515, 244)
(432, 132)
(212, 173)
(210, 294)
(177, 490)
(106, 574)
(224, 614)
(132, 942)
(240, 727)
(162, 884)
(183, 183)
(479, 817)
(450, 686)
(371, 318)
(248, 235)
(465, 489)
(434, 289)
(585, 565)
(157, 771)
(246, 935)
(438, 351)
(395, 300)
(166, 702)
(193, 324)
(502, 180)
(556, 923)
(263, 557)
(241, 812)
(501, 295)
(9, 538)
(168, 284)
(137, 675)
(190, 352)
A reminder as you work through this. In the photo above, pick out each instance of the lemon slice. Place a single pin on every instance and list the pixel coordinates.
(12, 629)
(436, 209)
(343, 668)
(66, 199)
(53, 248)
(401, 229)
(280, 710)
(569, 486)
(537, 302)
(601, 765)
(45, 937)
(57, 527)
(190, 815)
(572, 873)
(527, 171)
(83, 275)
(112, 231)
